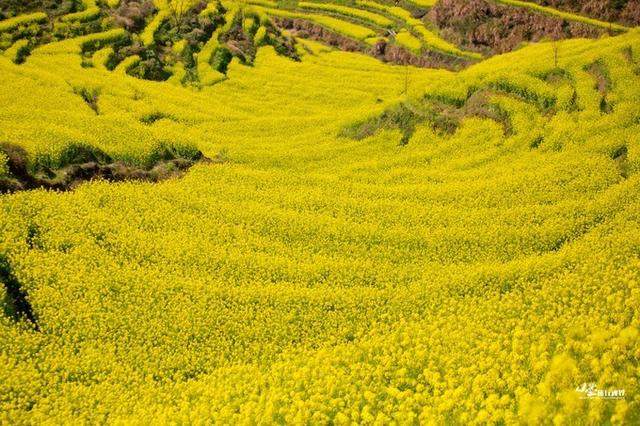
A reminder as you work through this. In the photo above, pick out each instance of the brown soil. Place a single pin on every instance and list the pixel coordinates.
(621, 11)
(20, 178)
(490, 28)
(600, 74)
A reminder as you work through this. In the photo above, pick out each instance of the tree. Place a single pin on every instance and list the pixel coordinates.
(178, 10)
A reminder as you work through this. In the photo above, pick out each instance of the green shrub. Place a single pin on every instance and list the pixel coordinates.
(167, 151)
(221, 58)
(4, 166)
(19, 51)
(74, 153)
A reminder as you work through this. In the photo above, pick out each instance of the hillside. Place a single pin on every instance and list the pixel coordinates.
(317, 213)
(622, 11)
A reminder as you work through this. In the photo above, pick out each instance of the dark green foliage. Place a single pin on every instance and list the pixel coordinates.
(399, 117)
(166, 151)
(283, 46)
(536, 142)
(545, 103)
(153, 117)
(606, 107)
(556, 75)
(89, 47)
(449, 100)
(619, 152)
(573, 102)
(442, 113)
(603, 83)
(221, 59)
(82, 153)
(620, 156)
(598, 69)
(33, 236)
(16, 304)
(156, 60)
(10, 8)
(482, 108)
(89, 96)
(150, 68)
(22, 54)
(75, 153)
(79, 163)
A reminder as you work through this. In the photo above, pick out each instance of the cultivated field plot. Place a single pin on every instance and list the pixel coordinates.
(345, 212)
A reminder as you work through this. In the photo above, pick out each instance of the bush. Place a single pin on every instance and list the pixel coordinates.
(399, 117)
(19, 51)
(133, 15)
(4, 165)
(167, 151)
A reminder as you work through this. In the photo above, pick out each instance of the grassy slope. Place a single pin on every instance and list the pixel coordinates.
(314, 278)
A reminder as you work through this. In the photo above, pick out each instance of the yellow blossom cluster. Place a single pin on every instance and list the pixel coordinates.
(15, 22)
(90, 11)
(478, 276)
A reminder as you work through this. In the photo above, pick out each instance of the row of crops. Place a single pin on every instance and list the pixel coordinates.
(165, 45)
(381, 244)
(369, 21)
(375, 244)
(191, 43)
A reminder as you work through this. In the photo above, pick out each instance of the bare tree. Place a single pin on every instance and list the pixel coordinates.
(178, 10)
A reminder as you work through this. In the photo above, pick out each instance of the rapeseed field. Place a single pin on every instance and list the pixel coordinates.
(366, 243)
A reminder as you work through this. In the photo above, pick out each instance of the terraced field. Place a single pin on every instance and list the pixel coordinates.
(214, 214)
